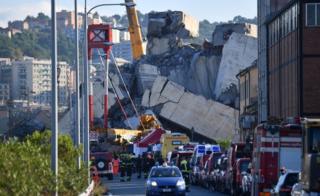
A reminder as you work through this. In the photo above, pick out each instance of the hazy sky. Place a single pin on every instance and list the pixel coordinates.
(213, 10)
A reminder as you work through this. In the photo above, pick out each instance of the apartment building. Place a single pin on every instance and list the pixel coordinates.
(31, 80)
(66, 19)
(289, 58)
(4, 92)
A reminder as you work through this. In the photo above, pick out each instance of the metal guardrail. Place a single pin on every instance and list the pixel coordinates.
(88, 190)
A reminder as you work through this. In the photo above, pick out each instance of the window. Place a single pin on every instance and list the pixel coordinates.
(318, 14)
(165, 172)
(312, 14)
(314, 140)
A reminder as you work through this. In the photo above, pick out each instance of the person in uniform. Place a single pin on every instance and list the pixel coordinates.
(185, 170)
(129, 166)
(139, 166)
(122, 167)
(116, 165)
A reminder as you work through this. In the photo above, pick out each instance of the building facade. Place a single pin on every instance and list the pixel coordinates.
(4, 92)
(66, 19)
(5, 78)
(32, 81)
(289, 57)
(248, 109)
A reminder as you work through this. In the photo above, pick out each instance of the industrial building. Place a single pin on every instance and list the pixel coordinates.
(289, 52)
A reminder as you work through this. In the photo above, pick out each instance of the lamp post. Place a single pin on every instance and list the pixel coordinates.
(86, 78)
(77, 108)
(54, 98)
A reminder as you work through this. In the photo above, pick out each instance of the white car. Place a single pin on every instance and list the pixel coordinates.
(285, 183)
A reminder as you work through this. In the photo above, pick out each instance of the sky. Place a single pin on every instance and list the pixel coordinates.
(212, 10)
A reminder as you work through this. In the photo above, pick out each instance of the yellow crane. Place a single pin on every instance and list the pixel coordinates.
(135, 31)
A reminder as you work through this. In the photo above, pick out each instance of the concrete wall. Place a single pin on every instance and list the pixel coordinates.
(238, 53)
(208, 118)
(223, 32)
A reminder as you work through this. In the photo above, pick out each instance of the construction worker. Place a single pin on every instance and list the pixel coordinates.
(115, 163)
(185, 170)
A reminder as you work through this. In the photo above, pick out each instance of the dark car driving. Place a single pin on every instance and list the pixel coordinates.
(165, 180)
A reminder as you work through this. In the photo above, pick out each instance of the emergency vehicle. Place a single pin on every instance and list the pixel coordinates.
(275, 146)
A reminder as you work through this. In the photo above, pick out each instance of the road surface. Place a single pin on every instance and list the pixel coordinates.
(137, 188)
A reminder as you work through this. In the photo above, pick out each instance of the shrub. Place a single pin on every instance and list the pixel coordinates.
(25, 166)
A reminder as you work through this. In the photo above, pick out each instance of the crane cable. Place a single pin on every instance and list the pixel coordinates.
(115, 91)
(126, 89)
(119, 102)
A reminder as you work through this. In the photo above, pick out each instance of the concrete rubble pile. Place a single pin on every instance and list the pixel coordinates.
(200, 69)
(188, 84)
(208, 118)
(165, 29)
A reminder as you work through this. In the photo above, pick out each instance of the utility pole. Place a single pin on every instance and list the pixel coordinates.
(54, 98)
(86, 93)
(77, 108)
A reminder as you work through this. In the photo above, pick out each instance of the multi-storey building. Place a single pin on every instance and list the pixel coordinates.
(5, 77)
(248, 109)
(4, 92)
(289, 57)
(5, 61)
(66, 19)
(32, 81)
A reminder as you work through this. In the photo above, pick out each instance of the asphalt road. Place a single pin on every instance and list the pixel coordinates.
(137, 188)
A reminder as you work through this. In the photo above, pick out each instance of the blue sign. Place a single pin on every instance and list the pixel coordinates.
(201, 149)
(216, 148)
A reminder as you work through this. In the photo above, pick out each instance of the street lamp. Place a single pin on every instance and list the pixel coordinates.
(54, 100)
(129, 4)
(86, 69)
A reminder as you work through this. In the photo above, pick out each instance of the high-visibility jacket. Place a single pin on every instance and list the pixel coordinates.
(116, 165)
(184, 166)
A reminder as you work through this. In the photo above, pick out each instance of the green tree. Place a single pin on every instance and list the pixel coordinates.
(224, 144)
(6, 47)
(25, 166)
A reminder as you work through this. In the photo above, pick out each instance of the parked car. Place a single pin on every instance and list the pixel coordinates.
(240, 169)
(200, 155)
(220, 174)
(165, 180)
(235, 152)
(212, 167)
(285, 183)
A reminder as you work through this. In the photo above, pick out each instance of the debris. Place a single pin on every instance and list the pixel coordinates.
(207, 117)
(238, 53)
(172, 22)
(223, 32)
(146, 75)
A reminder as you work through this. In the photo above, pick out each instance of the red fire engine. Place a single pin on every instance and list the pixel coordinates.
(274, 146)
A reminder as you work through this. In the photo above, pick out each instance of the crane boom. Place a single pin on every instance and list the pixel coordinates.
(135, 31)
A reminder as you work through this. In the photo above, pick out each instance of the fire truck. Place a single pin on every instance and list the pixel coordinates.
(275, 145)
(310, 178)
